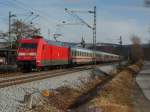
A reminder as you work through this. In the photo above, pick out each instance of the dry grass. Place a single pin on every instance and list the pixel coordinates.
(66, 96)
(62, 98)
(116, 95)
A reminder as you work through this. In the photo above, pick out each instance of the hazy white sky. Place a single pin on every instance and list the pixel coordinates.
(114, 18)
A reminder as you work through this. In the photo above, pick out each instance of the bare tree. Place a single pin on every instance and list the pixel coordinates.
(22, 29)
(136, 52)
(19, 29)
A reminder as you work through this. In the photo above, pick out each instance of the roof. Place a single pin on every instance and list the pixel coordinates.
(4, 44)
(58, 43)
(89, 50)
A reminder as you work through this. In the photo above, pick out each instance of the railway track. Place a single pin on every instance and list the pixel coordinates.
(19, 78)
(9, 81)
(17, 73)
(5, 75)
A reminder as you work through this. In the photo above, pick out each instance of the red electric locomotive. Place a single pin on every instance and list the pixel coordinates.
(38, 53)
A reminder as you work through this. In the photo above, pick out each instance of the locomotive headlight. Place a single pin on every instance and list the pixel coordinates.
(27, 54)
(32, 54)
(21, 54)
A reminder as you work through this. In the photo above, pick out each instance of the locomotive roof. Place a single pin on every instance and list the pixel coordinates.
(58, 43)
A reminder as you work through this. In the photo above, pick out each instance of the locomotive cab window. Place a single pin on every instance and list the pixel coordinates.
(28, 45)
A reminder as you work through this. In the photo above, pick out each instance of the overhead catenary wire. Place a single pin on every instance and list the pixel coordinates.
(31, 9)
(26, 8)
(29, 17)
(36, 12)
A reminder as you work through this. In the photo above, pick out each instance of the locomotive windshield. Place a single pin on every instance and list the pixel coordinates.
(28, 45)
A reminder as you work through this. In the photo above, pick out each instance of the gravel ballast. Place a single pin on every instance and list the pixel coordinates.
(11, 98)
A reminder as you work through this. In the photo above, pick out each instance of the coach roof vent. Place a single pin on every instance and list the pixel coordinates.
(36, 37)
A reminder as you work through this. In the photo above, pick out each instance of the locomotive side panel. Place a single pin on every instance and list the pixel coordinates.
(40, 53)
(54, 55)
(60, 55)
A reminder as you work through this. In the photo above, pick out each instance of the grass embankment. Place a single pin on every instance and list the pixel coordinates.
(63, 97)
(117, 95)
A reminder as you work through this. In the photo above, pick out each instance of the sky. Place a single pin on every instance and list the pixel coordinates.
(115, 18)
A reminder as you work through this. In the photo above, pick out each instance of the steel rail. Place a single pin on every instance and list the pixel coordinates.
(20, 80)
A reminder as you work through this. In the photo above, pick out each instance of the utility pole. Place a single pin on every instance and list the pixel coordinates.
(48, 32)
(83, 42)
(94, 35)
(9, 32)
(120, 42)
(93, 27)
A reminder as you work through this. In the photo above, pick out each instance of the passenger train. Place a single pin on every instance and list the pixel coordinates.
(39, 53)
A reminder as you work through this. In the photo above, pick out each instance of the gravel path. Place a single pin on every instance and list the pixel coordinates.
(11, 97)
(142, 90)
(141, 103)
(143, 79)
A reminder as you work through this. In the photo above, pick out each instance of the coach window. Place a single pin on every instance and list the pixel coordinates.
(72, 53)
